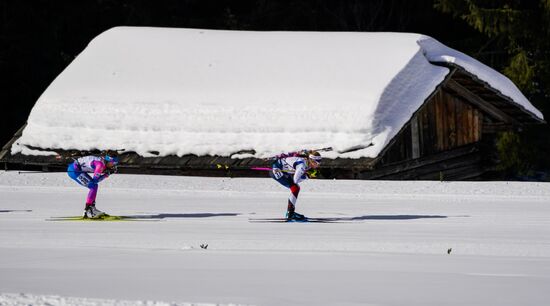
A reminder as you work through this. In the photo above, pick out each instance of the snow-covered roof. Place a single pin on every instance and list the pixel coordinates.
(209, 92)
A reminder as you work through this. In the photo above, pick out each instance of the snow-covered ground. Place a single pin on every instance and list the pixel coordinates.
(388, 246)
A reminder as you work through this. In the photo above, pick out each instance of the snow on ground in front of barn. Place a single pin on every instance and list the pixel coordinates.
(389, 246)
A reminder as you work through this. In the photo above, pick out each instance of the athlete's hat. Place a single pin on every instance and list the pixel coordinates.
(315, 156)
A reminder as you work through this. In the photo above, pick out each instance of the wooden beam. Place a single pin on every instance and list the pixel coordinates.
(423, 162)
(7, 148)
(415, 138)
(480, 103)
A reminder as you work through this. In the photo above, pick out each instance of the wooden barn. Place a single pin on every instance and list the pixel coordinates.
(436, 117)
(452, 136)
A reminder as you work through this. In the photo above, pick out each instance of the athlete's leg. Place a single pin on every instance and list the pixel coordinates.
(83, 179)
(294, 191)
(90, 199)
(286, 179)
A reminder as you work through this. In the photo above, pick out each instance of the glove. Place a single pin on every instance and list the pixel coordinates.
(277, 173)
(102, 177)
(312, 173)
(112, 170)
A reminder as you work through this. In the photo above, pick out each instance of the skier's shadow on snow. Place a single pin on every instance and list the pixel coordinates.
(389, 217)
(15, 210)
(197, 215)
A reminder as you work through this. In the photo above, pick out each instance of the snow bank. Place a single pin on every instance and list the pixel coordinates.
(342, 188)
(11, 299)
(470, 240)
(190, 91)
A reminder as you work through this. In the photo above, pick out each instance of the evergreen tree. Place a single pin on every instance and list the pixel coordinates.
(518, 44)
(521, 28)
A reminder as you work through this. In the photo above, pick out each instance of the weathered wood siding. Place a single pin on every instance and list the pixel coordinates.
(454, 123)
(445, 122)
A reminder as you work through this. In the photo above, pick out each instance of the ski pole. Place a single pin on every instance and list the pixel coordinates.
(35, 172)
(311, 173)
(268, 169)
(48, 172)
(261, 168)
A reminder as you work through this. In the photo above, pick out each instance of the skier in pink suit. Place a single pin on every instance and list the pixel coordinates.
(101, 168)
(289, 170)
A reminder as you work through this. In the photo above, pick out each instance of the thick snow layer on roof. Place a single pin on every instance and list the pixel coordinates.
(436, 52)
(191, 91)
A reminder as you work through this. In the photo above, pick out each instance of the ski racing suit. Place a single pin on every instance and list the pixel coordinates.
(79, 169)
(289, 172)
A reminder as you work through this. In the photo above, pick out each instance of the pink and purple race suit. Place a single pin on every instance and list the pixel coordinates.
(79, 169)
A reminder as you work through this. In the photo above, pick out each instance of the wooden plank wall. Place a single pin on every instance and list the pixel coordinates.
(444, 123)
(401, 149)
(448, 122)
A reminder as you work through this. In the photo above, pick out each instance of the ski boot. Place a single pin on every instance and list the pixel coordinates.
(292, 216)
(93, 213)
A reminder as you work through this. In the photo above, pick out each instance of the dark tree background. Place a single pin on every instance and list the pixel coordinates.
(39, 38)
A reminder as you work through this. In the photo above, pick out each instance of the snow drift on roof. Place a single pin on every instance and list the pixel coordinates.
(208, 92)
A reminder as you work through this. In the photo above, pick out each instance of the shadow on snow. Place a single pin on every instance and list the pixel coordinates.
(391, 217)
(15, 210)
(197, 215)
